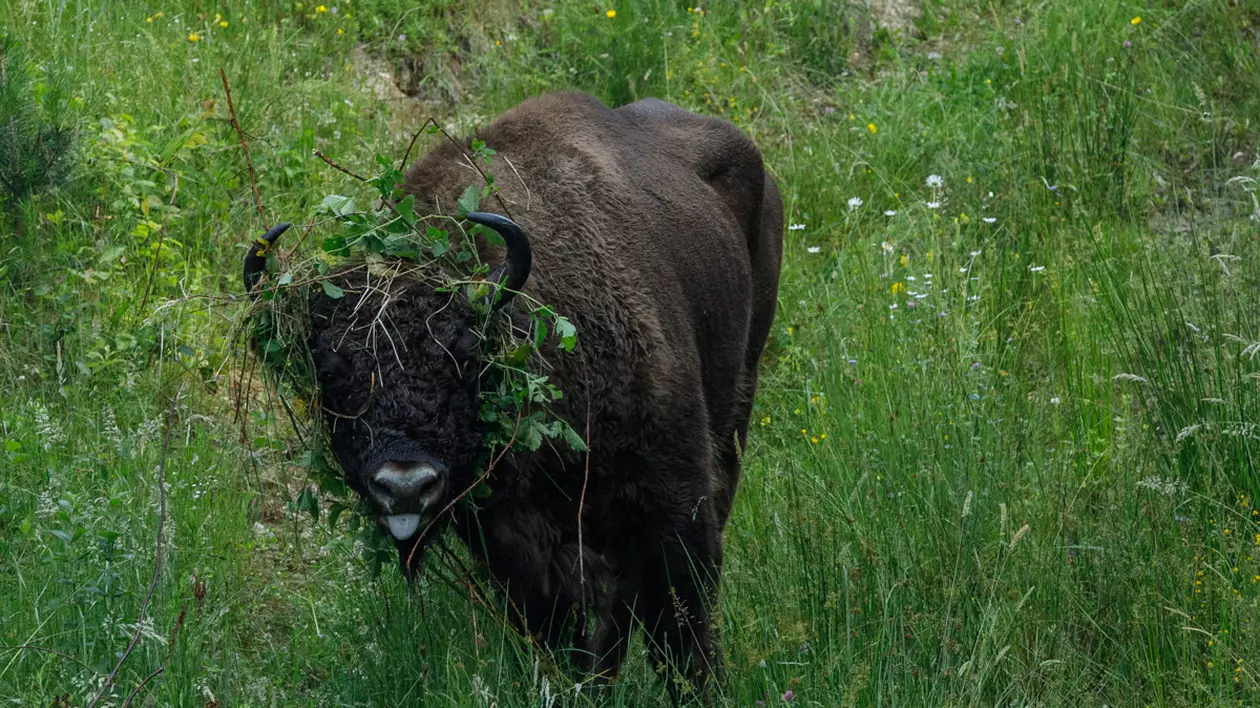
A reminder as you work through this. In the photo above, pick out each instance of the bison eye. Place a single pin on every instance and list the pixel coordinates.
(465, 345)
(331, 366)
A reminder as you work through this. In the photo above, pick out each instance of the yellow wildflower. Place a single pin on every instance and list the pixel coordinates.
(194, 37)
(898, 287)
(223, 24)
(341, 32)
(611, 14)
(871, 127)
(321, 9)
(1135, 21)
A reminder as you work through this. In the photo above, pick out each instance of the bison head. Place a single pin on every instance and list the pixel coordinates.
(396, 361)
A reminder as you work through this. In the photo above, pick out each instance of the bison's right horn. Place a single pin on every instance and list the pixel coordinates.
(256, 259)
(511, 275)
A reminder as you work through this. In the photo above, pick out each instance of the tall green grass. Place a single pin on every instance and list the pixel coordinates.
(1026, 478)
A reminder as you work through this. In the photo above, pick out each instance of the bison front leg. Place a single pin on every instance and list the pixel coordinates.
(679, 591)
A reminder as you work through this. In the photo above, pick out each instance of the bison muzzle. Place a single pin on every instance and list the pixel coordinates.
(659, 233)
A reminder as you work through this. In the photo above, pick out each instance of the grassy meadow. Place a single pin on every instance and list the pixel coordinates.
(1005, 450)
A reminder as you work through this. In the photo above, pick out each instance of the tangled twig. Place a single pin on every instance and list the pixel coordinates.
(586, 476)
(472, 161)
(253, 178)
(140, 686)
(339, 168)
(451, 504)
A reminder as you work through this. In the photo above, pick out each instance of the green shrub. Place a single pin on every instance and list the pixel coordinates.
(37, 130)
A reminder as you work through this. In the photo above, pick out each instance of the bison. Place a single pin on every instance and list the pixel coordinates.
(659, 233)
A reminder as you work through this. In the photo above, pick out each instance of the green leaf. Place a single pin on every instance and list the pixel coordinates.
(110, 255)
(571, 437)
(518, 355)
(469, 201)
(530, 434)
(407, 210)
(567, 333)
(540, 332)
(308, 501)
(335, 511)
(332, 291)
(336, 246)
(336, 205)
(491, 236)
(480, 149)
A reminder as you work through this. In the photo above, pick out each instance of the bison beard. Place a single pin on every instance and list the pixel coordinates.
(659, 233)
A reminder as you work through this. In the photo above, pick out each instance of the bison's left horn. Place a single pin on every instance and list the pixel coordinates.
(511, 275)
(256, 259)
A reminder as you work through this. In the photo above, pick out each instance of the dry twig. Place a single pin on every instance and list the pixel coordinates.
(451, 504)
(253, 178)
(157, 558)
(344, 170)
(586, 476)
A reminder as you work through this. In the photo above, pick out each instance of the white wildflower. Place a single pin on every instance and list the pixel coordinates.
(932, 205)
(988, 220)
(796, 227)
(890, 212)
(814, 249)
(1168, 487)
(854, 203)
(935, 181)
(1036, 269)
(49, 433)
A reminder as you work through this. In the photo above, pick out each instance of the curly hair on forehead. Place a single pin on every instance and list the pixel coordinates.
(396, 360)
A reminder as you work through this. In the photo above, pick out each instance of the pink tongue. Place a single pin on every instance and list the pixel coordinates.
(403, 526)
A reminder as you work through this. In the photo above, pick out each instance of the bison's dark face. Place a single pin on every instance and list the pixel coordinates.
(397, 368)
(397, 362)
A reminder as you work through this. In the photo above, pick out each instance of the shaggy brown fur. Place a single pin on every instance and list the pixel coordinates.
(659, 233)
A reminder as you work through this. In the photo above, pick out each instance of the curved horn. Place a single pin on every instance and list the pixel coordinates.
(511, 275)
(256, 258)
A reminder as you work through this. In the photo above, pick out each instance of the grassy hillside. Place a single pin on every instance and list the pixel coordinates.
(1005, 449)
